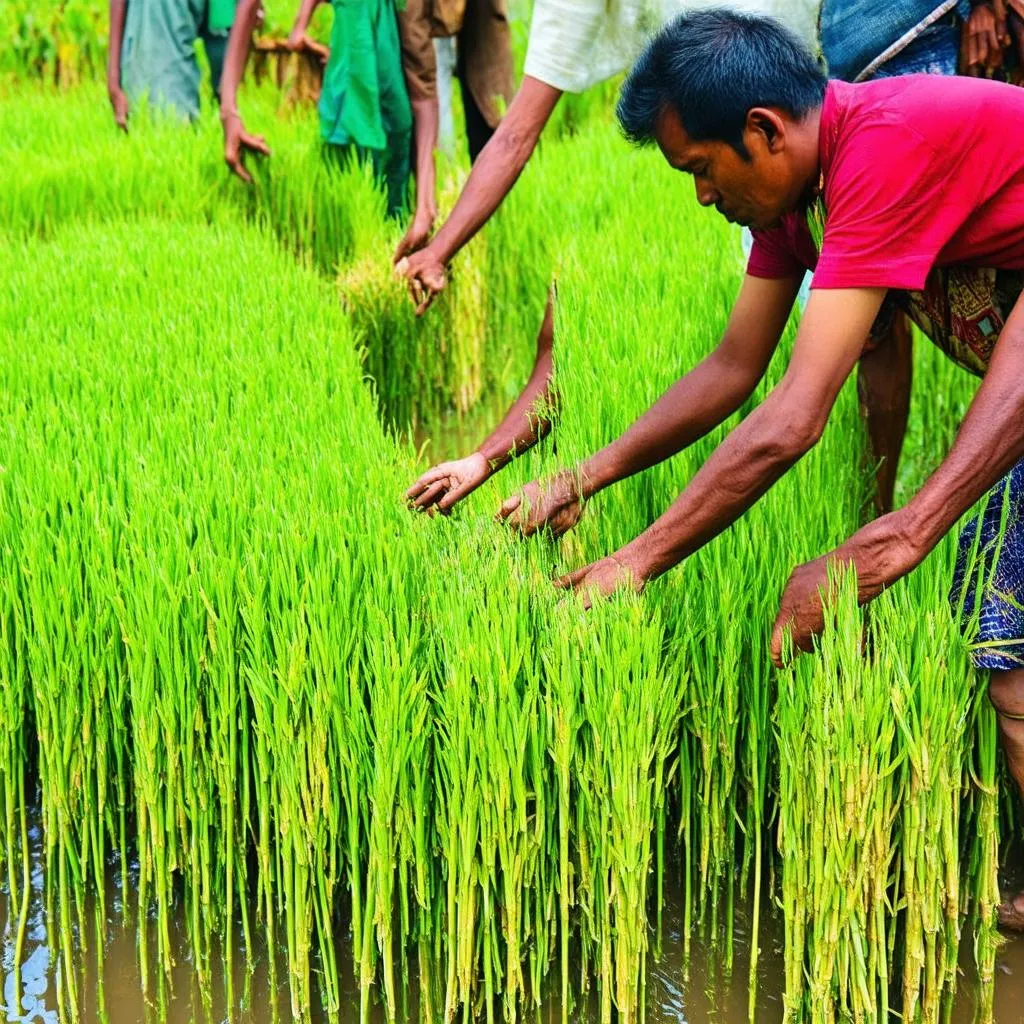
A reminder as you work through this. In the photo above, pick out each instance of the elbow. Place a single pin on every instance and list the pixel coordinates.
(795, 434)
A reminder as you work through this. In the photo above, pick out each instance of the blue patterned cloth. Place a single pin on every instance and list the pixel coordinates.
(990, 568)
(854, 32)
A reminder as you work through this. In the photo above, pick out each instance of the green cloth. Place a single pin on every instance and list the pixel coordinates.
(364, 104)
(158, 55)
(220, 16)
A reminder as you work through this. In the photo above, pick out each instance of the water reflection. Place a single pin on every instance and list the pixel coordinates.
(110, 988)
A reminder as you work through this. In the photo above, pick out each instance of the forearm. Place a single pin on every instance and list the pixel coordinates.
(989, 443)
(118, 12)
(498, 167)
(305, 14)
(237, 53)
(691, 408)
(752, 458)
(426, 115)
(526, 422)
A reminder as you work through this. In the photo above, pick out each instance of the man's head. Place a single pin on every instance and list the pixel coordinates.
(732, 99)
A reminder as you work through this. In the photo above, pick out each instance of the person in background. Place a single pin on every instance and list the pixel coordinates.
(364, 107)
(152, 52)
(573, 45)
(484, 69)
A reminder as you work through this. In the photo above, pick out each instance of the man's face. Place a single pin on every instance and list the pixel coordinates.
(755, 192)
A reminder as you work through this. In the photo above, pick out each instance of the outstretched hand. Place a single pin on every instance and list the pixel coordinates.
(801, 610)
(238, 142)
(447, 483)
(416, 236)
(426, 277)
(602, 578)
(555, 503)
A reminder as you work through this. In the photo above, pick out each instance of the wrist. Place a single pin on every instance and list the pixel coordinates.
(644, 559)
(491, 462)
(595, 475)
(885, 550)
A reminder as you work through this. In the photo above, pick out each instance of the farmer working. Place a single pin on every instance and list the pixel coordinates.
(901, 193)
(574, 44)
(153, 52)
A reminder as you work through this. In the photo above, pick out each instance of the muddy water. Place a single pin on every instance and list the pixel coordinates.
(110, 985)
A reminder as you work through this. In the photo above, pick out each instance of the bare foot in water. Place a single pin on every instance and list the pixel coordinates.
(1011, 913)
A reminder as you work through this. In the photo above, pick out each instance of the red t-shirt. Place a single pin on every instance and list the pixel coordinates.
(919, 172)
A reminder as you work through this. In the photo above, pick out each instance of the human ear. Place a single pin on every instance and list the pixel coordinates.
(768, 126)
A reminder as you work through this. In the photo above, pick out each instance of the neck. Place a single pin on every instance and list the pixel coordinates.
(804, 140)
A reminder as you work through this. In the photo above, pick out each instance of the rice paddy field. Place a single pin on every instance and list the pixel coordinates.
(273, 747)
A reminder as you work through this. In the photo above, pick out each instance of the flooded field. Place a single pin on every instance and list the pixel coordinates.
(111, 990)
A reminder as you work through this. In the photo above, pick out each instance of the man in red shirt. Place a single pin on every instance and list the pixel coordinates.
(905, 192)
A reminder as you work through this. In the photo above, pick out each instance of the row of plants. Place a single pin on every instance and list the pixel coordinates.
(233, 657)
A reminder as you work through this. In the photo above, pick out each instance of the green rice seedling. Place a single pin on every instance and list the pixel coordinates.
(304, 710)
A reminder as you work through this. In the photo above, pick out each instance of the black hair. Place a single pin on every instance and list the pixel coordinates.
(711, 67)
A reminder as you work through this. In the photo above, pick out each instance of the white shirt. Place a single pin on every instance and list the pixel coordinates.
(575, 44)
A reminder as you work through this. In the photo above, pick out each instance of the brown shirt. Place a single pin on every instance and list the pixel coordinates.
(484, 44)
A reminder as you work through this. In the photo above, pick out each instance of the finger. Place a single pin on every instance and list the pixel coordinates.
(776, 644)
(1018, 7)
(402, 267)
(426, 303)
(257, 144)
(571, 580)
(432, 475)
(456, 494)
(400, 250)
(431, 494)
(508, 506)
(995, 50)
(238, 168)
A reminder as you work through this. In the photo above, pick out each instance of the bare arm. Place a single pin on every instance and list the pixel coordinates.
(696, 404)
(756, 453)
(118, 100)
(237, 141)
(989, 443)
(302, 20)
(425, 119)
(237, 54)
(491, 179)
(525, 423)
(707, 395)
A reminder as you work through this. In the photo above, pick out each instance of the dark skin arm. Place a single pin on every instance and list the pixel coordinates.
(990, 441)
(426, 118)
(525, 423)
(785, 426)
(495, 172)
(237, 141)
(118, 100)
(696, 404)
(883, 384)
